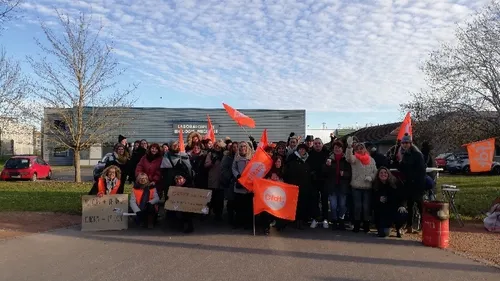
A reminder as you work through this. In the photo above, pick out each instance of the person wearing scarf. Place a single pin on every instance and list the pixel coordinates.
(120, 159)
(337, 172)
(364, 171)
(144, 201)
(108, 183)
(298, 172)
(150, 165)
(213, 163)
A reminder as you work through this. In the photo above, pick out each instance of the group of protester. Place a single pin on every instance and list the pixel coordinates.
(342, 183)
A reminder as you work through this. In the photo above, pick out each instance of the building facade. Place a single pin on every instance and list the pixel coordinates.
(162, 125)
(15, 138)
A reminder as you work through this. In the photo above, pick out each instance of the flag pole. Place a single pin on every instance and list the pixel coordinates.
(253, 223)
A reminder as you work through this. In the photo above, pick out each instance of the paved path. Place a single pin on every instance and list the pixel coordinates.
(222, 254)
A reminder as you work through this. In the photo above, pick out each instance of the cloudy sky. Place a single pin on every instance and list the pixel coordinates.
(344, 61)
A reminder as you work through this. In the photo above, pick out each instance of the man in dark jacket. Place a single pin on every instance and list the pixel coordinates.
(380, 159)
(317, 158)
(413, 168)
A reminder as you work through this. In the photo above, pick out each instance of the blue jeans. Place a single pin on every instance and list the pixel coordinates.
(338, 206)
(361, 199)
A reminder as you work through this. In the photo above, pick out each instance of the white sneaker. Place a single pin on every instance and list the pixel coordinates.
(325, 224)
(314, 223)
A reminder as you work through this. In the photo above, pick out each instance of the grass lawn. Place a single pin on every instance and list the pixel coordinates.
(476, 193)
(474, 198)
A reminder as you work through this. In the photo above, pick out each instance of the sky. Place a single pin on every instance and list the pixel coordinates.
(345, 62)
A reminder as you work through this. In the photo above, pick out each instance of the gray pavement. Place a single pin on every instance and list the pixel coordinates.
(68, 174)
(222, 254)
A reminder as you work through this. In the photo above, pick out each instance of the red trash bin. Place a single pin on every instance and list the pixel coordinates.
(436, 224)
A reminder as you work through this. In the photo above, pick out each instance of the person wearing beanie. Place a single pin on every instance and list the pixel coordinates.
(412, 167)
(298, 172)
(364, 171)
(309, 141)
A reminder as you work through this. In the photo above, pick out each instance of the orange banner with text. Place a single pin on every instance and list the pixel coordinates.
(258, 167)
(277, 198)
(481, 155)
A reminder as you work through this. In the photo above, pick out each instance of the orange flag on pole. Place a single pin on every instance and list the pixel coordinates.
(264, 141)
(260, 164)
(405, 127)
(210, 130)
(238, 117)
(481, 155)
(182, 148)
(277, 198)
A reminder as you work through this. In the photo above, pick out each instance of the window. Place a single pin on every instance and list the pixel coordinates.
(17, 163)
(85, 154)
(60, 125)
(61, 151)
(41, 161)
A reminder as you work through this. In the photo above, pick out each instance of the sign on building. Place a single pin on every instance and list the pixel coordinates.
(201, 128)
(104, 213)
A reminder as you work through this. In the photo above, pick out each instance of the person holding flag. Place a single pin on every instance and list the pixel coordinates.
(243, 198)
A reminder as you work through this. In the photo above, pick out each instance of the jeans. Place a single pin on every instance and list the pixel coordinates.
(362, 200)
(338, 206)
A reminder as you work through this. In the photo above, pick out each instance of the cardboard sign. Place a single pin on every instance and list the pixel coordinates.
(104, 213)
(190, 200)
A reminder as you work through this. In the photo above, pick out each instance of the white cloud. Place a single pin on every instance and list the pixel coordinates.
(281, 54)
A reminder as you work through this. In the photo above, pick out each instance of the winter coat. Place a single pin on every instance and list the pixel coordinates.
(385, 212)
(362, 175)
(412, 166)
(123, 165)
(333, 185)
(190, 137)
(174, 164)
(380, 159)
(316, 160)
(198, 166)
(133, 201)
(239, 165)
(298, 172)
(151, 167)
(226, 170)
(136, 157)
(213, 163)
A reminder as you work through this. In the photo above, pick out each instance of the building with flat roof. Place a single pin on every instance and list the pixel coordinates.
(162, 125)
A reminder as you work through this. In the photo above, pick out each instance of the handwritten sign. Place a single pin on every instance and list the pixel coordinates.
(104, 213)
(190, 200)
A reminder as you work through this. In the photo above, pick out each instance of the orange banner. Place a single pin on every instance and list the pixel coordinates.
(277, 198)
(210, 130)
(182, 148)
(238, 117)
(264, 141)
(405, 127)
(481, 155)
(258, 167)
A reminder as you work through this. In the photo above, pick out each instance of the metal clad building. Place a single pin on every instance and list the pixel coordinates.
(161, 125)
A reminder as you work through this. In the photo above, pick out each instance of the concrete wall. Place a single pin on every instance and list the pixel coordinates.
(15, 138)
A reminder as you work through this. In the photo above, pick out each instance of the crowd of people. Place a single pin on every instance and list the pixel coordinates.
(343, 184)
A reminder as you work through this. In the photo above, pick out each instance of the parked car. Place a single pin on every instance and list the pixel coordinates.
(99, 167)
(441, 160)
(26, 167)
(459, 163)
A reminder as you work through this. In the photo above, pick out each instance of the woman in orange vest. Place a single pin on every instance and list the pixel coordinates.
(144, 201)
(109, 182)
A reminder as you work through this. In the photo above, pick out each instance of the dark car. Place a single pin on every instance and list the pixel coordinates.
(27, 167)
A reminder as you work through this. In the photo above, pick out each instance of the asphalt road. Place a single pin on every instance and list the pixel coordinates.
(222, 254)
(68, 174)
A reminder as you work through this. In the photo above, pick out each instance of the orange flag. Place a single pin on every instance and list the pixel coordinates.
(481, 155)
(182, 148)
(405, 127)
(258, 167)
(277, 198)
(210, 130)
(238, 117)
(263, 139)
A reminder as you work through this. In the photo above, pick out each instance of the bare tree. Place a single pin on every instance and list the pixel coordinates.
(7, 10)
(83, 105)
(463, 100)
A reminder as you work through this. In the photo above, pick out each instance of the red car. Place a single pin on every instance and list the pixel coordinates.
(441, 160)
(27, 168)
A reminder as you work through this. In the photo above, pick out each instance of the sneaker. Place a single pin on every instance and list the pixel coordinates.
(325, 224)
(314, 224)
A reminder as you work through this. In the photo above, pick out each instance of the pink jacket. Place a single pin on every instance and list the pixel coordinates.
(152, 169)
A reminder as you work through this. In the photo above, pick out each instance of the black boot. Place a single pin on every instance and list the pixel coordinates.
(398, 233)
(335, 225)
(356, 228)
(366, 226)
(341, 225)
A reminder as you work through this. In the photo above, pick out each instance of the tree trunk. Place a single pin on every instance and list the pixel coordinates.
(76, 165)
